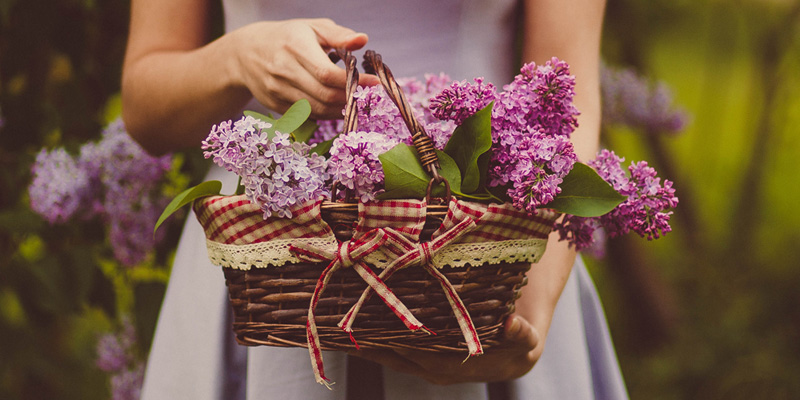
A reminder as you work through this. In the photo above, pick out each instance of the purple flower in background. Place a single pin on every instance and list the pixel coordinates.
(276, 173)
(645, 211)
(60, 186)
(354, 162)
(115, 355)
(112, 356)
(632, 100)
(127, 385)
(131, 180)
(114, 179)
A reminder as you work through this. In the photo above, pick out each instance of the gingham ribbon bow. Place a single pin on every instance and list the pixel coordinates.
(348, 254)
(412, 253)
(351, 253)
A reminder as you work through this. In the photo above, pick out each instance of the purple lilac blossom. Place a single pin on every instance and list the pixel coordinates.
(114, 179)
(115, 355)
(276, 173)
(532, 121)
(127, 384)
(377, 113)
(634, 101)
(114, 350)
(112, 356)
(645, 211)
(131, 202)
(354, 162)
(60, 187)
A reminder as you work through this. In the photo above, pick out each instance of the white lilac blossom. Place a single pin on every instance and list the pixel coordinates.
(276, 173)
(632, 100)
(354, 162)
(645, 211)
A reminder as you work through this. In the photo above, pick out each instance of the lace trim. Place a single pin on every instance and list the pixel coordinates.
(275, 253)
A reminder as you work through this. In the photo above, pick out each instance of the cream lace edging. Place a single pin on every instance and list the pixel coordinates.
(275, 253)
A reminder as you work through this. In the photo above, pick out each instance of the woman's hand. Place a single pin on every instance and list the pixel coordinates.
(176, 84)
(516, 356)
(284, 61)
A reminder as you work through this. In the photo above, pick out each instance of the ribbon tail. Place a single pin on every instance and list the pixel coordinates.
(347, 322)
(460, 311)
(311, 326)
(388, 297)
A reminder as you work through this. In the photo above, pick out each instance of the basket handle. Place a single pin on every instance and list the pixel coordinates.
(373, 63)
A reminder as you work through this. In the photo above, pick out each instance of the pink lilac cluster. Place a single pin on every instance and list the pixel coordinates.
(354, 162)
(276, 172)
(634, 101)
(645, 211)
(114, 179)
(377, 113)
(115, 355)
(532, 119)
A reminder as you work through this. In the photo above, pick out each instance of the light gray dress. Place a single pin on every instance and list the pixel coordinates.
(194, 355)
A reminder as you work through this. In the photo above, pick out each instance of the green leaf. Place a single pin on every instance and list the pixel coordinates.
(294, 117)
(585, 194)
(406, 178)
(470, 140)
(305, 131)
(187, 196)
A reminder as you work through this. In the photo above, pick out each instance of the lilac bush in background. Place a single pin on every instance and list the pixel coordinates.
(113, 179)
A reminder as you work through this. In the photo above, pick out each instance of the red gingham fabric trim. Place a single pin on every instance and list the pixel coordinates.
(234, 220)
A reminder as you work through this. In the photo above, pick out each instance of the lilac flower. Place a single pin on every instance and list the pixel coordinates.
(114, 179)
(532, 120)
(462, 99)
(114, 350)
(540, 99)
(276, 173)
(645, 211)
(127, 385)
(60, 187)
(354, 162)
(377, 113)
(632, 100)
(112, 356)
(131, 200)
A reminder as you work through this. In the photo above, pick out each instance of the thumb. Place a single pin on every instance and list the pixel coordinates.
(331, 35)
(519, 331)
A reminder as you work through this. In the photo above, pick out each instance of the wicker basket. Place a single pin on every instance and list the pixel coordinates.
(277, 299)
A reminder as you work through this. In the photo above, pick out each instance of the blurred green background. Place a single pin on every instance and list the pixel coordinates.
(711, 311)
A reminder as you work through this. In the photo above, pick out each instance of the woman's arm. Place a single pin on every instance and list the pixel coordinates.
(570, 30)
(175, 85)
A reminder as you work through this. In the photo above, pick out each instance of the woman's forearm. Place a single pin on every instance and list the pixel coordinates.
(171, 98)
(576, 41)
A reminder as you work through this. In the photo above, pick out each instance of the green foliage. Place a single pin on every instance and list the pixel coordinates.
(188, 196)
(406, 178)
(471, 140)
(585, 194)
